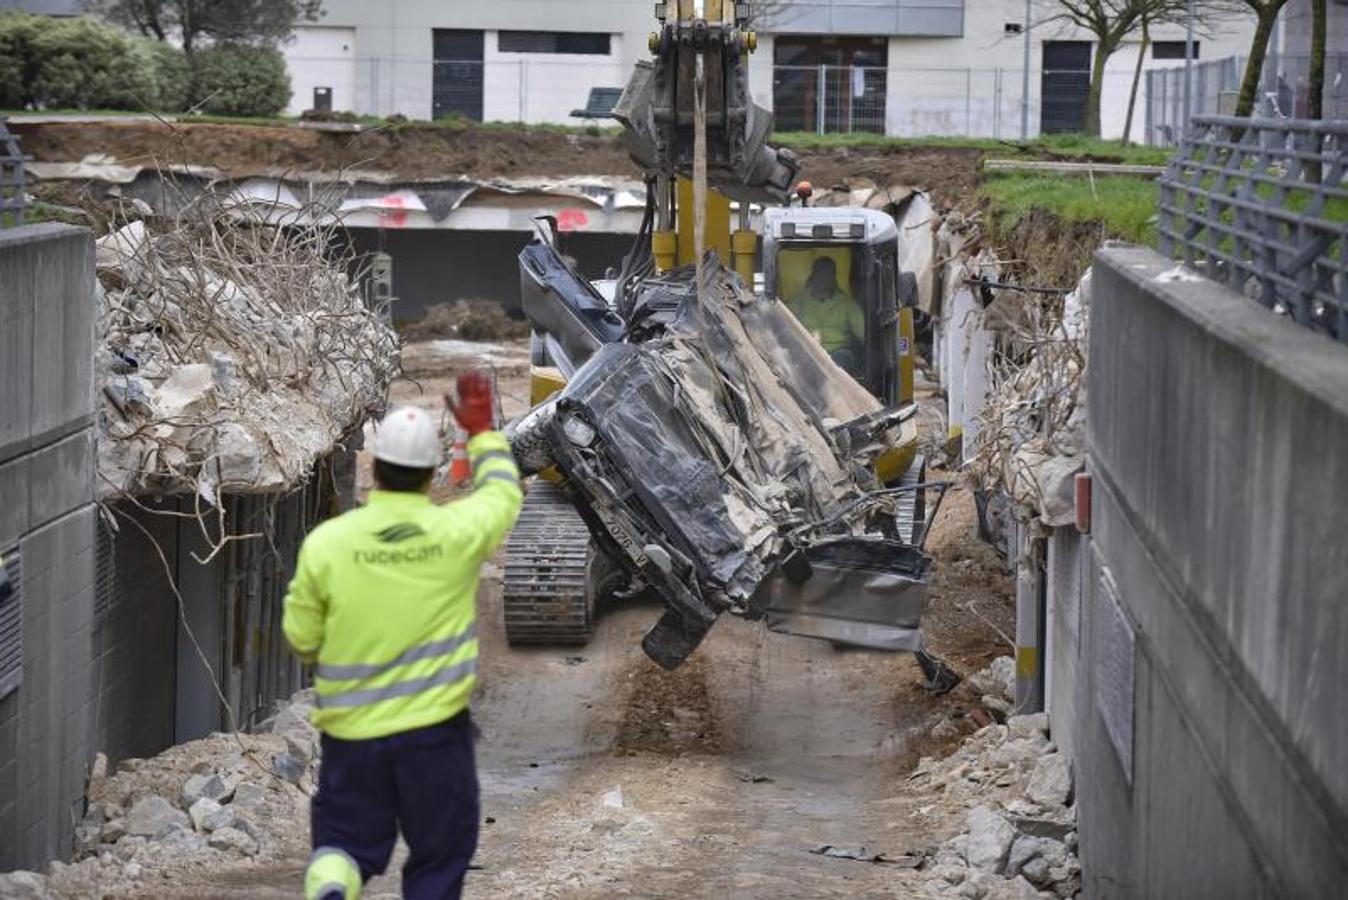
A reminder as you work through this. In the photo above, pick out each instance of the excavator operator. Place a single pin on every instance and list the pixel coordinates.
(830, 315)
(382, 603)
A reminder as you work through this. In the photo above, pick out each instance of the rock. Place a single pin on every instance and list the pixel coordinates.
(152, 815)
(293, 721)
(233, 840)
(1051, 781)
(1071, 840)
(950, 874)
(996, 703)
(112, 831)
(1019, 752)
(301, 749)
(249, 796)
(179, 837)
(1023, 890)
(288, 767)
(1028, 725)
(976, 886)
(127, 848)
(1023, 849)
(1066, 878)
(1036, 870)
(945, 730)
(207, 815)
(951, 853)
(247, 827)
(23, 885)
(990, 837)
(998, 679)
(211, 786)
(132, 870)
(122, 250)
(1055, 853)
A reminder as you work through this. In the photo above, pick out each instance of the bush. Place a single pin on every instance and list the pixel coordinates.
(16, 34)
(85, 64)
(240, 81)
(172, 74)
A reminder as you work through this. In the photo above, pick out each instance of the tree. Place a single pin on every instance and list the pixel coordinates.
(1266, 14)
(1111, 22)
(1137, 80)
(248, 22)
(1315, 104)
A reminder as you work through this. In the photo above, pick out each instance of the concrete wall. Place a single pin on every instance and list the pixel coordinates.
(1210, 745)
(47, 521)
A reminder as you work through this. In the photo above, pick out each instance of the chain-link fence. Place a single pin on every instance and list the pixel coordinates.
(908, 102)
(1262, 205)
(830, 99)
(1283, 92)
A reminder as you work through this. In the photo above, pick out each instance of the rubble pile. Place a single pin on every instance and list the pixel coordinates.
(1013, 789)
(229, 799)
(233, 355)
(1032, 428)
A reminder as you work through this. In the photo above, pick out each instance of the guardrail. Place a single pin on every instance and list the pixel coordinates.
(1262, 205)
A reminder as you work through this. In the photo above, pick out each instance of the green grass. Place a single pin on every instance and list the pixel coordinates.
(1056, 146)
(1126, 205)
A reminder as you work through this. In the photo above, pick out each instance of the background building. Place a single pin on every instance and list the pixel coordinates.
(899, 67)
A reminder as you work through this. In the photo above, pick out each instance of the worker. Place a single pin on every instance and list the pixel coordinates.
(382, 603)
(829, 314)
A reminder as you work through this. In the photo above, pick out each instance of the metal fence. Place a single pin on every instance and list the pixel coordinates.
(1262, 205)
(830, 99)
(1283, 92)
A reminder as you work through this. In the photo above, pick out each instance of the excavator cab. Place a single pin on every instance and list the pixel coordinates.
(836, 269)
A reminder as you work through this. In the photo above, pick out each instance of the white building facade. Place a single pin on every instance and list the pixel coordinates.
(900, 67)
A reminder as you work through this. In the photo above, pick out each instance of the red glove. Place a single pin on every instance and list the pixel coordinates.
(475, 409)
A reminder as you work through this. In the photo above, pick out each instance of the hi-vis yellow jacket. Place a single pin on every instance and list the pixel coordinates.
(383, 601)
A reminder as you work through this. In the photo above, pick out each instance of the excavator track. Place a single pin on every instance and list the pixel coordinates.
(547, 594)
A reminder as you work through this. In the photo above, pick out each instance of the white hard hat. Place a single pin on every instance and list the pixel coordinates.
(408, 437)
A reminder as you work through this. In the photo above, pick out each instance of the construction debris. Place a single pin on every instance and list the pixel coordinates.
(197, 806)
(233, 355)
(1019, 835)
(1032, 438)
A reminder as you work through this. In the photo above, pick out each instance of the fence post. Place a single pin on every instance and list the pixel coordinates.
(968, 102)
(524, 89)
(823, 86)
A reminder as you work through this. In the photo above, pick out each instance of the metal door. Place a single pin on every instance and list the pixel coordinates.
(1065, 87)
(456, 86)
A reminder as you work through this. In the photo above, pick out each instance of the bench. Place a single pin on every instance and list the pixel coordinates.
(600, 104)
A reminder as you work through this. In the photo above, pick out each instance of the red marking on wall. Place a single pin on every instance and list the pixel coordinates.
(396, 215)
(572, 220)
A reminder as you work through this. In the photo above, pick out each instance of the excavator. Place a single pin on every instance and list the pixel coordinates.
(645, 483)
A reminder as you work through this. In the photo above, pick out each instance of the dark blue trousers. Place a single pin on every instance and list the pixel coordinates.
(423, 782)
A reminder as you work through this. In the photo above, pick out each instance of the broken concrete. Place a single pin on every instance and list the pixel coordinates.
(233, 357)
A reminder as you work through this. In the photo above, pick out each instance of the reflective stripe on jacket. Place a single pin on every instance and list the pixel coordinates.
(383, 601)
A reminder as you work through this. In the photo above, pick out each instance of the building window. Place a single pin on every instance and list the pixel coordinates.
(1171, 50)
(581, 42)
(11, 623)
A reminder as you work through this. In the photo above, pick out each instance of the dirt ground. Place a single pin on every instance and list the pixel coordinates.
(604, 776)
(950, 174)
